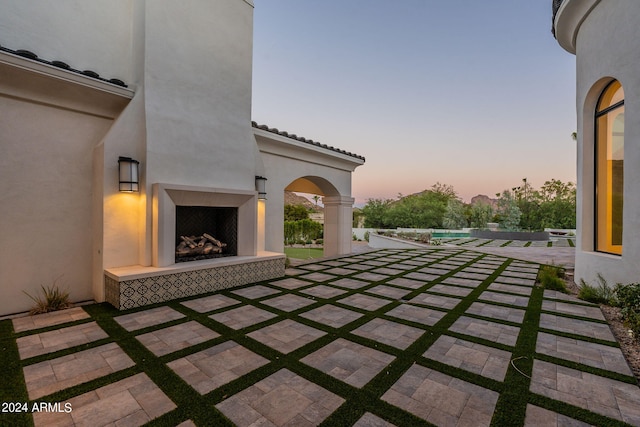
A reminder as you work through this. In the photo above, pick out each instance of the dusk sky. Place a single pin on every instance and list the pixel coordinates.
(474, 94)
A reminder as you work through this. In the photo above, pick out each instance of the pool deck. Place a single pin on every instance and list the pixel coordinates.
(439, 336)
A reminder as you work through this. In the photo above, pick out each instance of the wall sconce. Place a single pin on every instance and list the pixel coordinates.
(260, 187)
(129, 177)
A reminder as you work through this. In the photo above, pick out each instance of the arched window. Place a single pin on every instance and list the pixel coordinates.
(609, 169)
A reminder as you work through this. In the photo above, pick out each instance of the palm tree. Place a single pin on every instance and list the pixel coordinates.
(574, 136)
(315, 199)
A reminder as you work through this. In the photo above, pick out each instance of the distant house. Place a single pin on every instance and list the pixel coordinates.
(603, 34)
(124, 127)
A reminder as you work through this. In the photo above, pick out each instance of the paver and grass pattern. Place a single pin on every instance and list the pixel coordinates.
(441, 336)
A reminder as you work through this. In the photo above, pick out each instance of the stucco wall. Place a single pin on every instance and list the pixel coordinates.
(45, 200)
(607, 48)
(94, 35)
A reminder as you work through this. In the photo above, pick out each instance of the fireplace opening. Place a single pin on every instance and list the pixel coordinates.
(204, 232)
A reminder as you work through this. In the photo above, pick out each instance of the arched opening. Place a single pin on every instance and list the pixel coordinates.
(321, 224)
(609, 169)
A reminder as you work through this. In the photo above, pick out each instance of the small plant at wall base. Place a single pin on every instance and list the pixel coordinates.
(601, 294)
(52, 299)
(550, 277)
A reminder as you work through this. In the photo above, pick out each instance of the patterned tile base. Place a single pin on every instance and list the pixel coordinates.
(150, 290)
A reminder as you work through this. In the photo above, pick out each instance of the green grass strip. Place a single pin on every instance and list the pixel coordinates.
(12, 387)
(512, 403)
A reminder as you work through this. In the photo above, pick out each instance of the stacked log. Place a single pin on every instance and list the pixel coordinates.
(199, 245)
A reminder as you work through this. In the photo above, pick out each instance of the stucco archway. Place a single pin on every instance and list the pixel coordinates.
(302, 166)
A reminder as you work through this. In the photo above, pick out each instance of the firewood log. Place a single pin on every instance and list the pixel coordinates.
(213, 240)
(189, 241)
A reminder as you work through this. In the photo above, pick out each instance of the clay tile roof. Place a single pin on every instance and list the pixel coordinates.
(59, 64)
(305, 140)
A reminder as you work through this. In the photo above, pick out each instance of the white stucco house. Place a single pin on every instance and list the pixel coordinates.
(90, 92)
(603, 34)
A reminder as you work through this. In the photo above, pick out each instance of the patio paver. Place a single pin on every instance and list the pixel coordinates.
(174, 338)
(57, 374)
(486, 329)
(146, 318)
(331, 315)
(477, 358)
(53, 318)
(441, 399)
(352, 363)
(598, 394)
(390, 333)
(216, 366)
(283, 398)
(241, 317)
(59, 339)
(132, 401)
(286, 336)
(210, 303)
(338, 338)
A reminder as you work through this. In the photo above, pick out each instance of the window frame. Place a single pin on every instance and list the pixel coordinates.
(599, 113)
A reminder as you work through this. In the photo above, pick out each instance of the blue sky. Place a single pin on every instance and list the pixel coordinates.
(474, 94)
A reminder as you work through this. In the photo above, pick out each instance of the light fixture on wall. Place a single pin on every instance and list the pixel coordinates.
(129, 176)
(260, 187)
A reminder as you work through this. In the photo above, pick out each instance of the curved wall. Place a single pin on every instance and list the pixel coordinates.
(607, 49)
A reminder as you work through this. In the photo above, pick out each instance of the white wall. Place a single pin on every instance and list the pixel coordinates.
(94, 35)
(607, 48)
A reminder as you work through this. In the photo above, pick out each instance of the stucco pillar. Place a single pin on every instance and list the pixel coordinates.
(338, 216)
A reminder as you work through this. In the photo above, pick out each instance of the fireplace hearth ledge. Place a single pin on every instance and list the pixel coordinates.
(137, 286)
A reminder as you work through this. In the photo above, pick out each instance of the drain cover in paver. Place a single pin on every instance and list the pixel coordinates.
(390, 333)
(331, 315)
(347, 361)
(441, 399)
(216, 366)
(210, 303)
(283, 398)
(174, 338)
(286, 336)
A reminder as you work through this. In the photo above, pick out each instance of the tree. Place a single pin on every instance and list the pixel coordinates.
(315, 199)
(295, 213)
(455, 217)
(508, 211)
(374, 212)
(481, 214)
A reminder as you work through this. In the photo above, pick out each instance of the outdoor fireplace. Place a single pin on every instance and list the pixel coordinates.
(205, 232)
